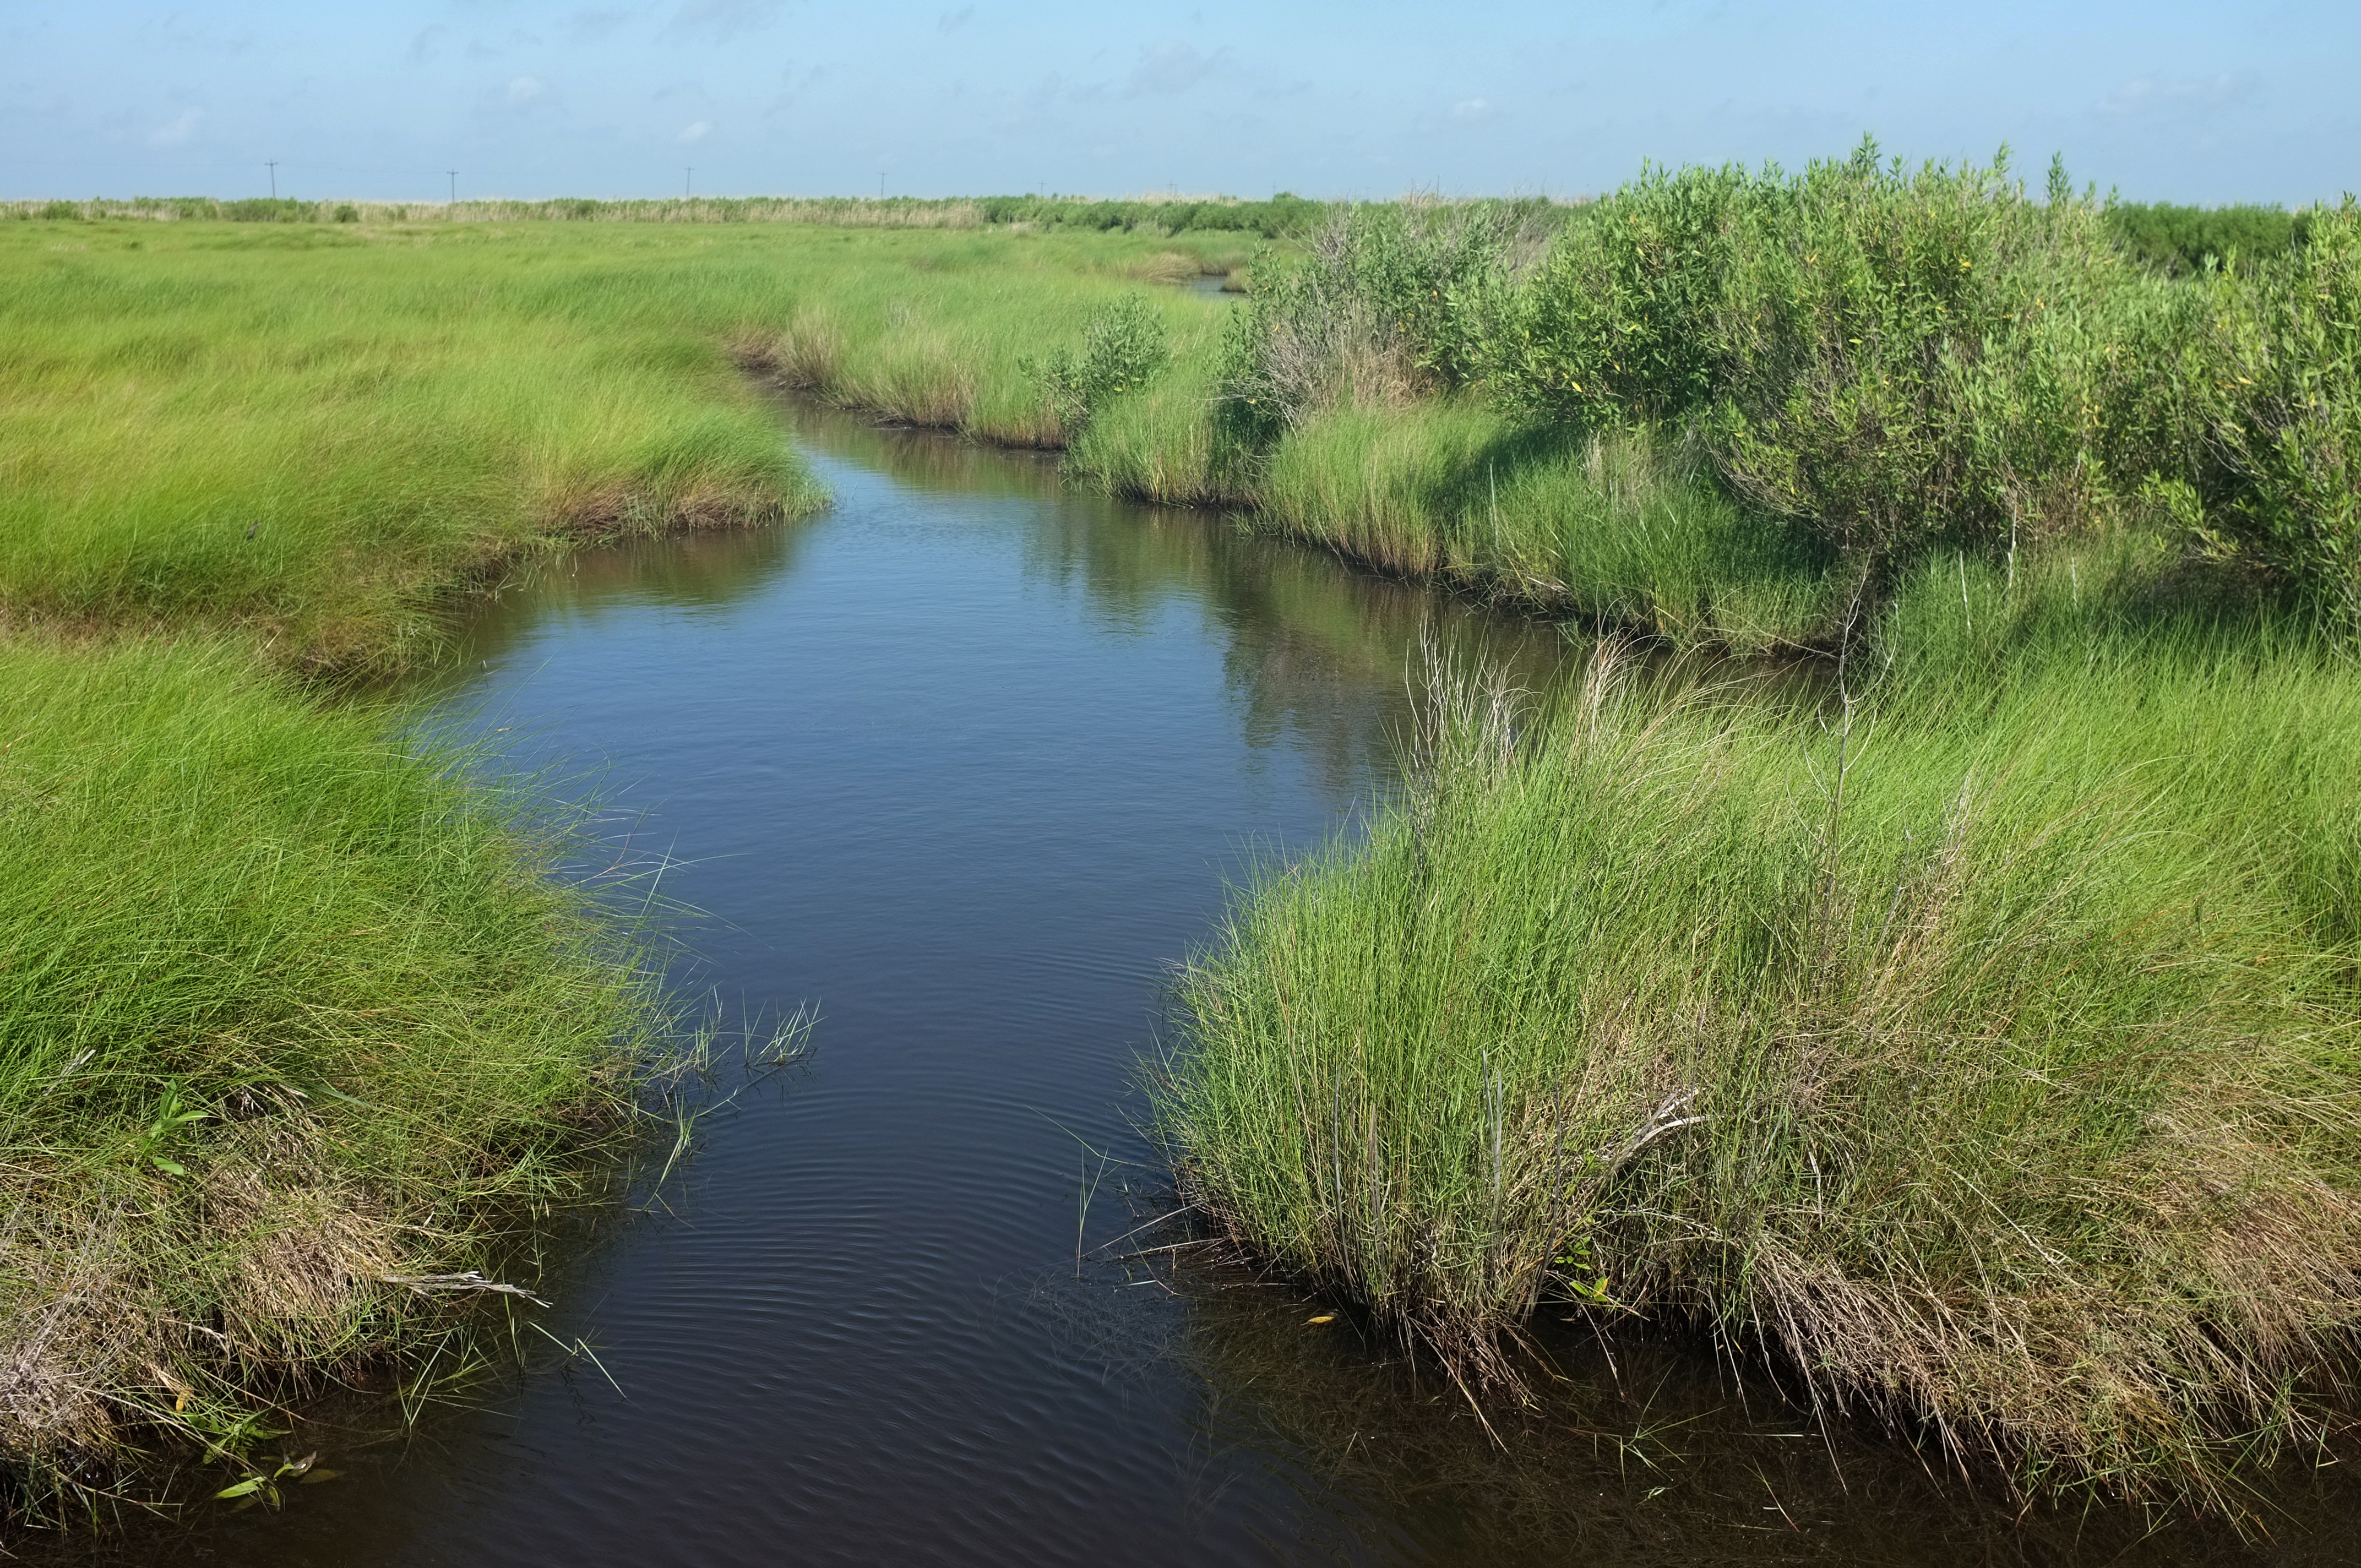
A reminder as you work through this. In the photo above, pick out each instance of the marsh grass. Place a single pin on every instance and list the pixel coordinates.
(324, 448)
(1982, 1063)
(291, 1012)
(301, 1019)
(949, 334)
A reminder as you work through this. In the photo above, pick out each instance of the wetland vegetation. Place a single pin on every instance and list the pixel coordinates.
(1965, 1029)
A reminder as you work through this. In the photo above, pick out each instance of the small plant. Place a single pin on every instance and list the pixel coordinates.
(262, 1486)
(347, 213)
(171, 1117)
(1123, 347)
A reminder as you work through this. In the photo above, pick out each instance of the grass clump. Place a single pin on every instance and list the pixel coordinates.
(290, 1011)
(1986, 1061)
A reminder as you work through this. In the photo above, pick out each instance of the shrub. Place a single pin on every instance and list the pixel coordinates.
(1886, 356)
(2266, 383)
(267, 210)
(2179, 241)
(1391, 302)
(1123, 346)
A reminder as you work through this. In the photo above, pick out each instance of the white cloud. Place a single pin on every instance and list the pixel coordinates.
(1470, 109)
(174, 132)
(694, 132)
(523, 89)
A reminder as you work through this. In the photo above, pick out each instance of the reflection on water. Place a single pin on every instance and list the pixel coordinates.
(969, 762)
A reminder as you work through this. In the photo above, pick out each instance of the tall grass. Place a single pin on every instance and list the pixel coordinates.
(322, 444)
(953, 334)
(1987, 1060)
(292, 1013)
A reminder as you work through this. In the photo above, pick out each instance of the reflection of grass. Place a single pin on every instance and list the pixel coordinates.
(1990, 1061)
(1640, 1452)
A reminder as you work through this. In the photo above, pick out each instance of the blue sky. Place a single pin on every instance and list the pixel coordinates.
(2183, 102)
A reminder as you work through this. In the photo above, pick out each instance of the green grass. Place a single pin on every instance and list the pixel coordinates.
(290, 1008)
(2018, 1011)
(941, 331)
(292, 1005)
(324, 441)
(1987, 1062)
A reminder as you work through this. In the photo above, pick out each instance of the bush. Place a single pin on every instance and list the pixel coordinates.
(267, 210)
(1392, 303)
(347, 213)
(2179, 241)
(2266, 385)
(1123, 346)
(1886, 356)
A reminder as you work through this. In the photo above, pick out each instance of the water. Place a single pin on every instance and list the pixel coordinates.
(967, 764)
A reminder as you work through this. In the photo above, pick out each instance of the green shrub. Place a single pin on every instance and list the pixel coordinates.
(1123, 346)
(2179, 241)
(347, 213)
(267, 210)
(1390, 303)
(1887, 357)
(2269, 385)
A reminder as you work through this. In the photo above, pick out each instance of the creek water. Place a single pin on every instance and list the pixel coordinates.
(965, 765)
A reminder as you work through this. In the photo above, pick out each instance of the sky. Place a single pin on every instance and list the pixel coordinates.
(2161, 101)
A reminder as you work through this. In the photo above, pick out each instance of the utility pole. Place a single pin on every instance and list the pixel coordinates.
(688, 183)
(455, 187)
(272, 165)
